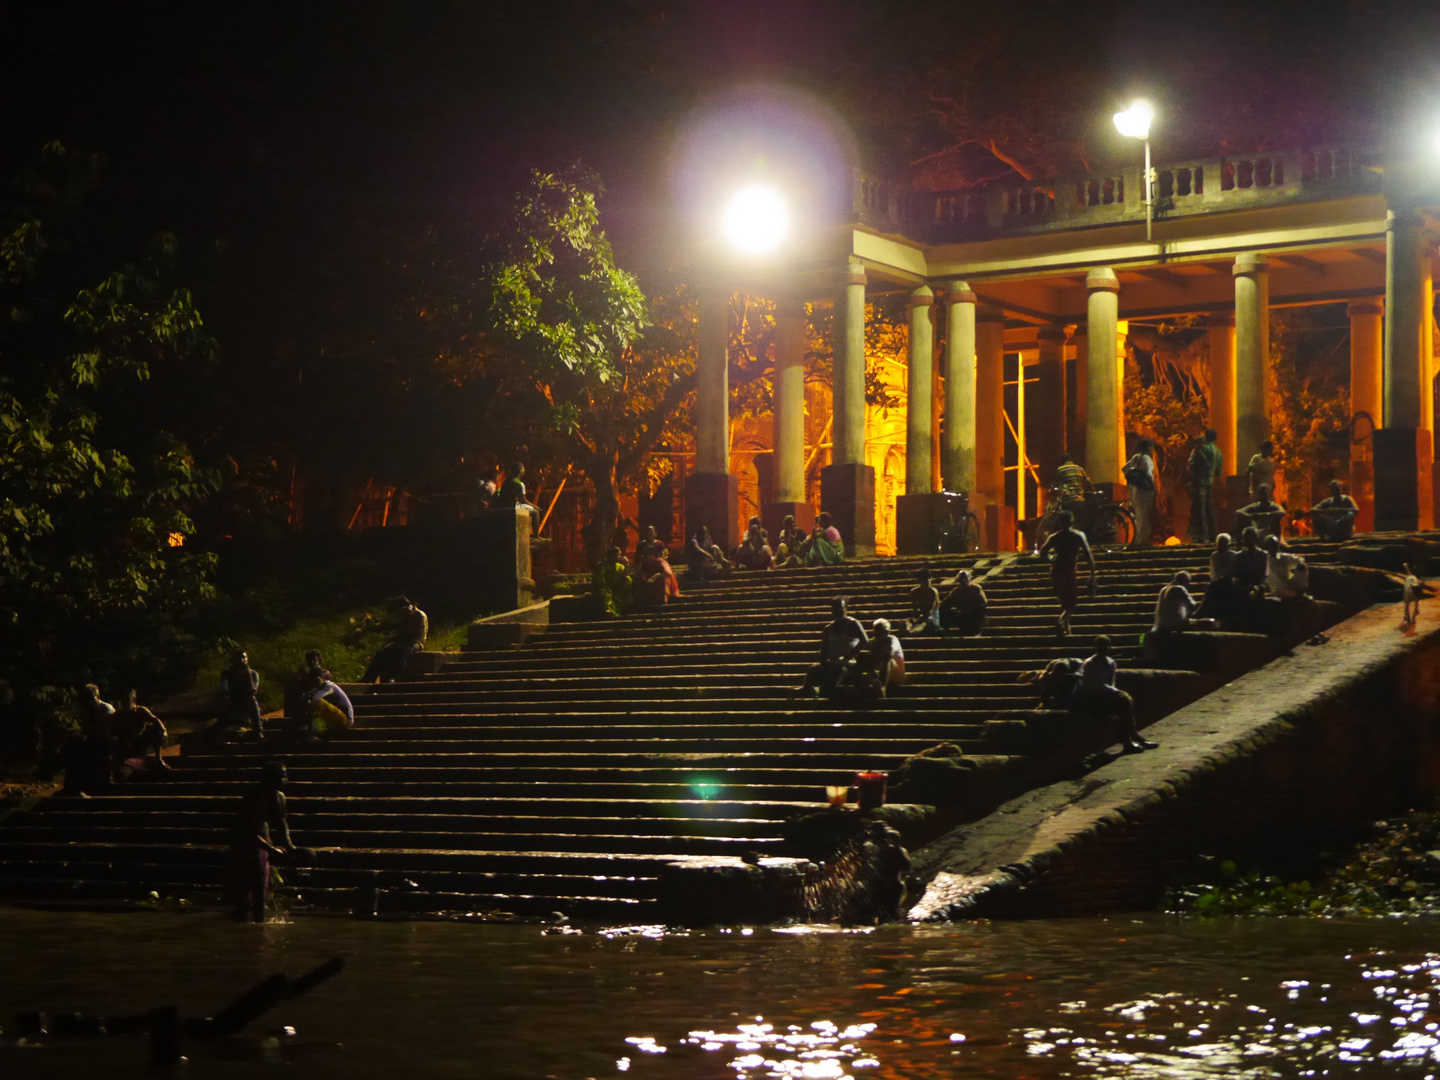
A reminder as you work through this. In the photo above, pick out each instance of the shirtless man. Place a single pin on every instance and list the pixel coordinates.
(260, 823)
(1064, 546)
(137, 730)
(924, 606)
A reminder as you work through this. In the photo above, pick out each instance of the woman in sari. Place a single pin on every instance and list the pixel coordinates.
(653, 569)
(824, 547)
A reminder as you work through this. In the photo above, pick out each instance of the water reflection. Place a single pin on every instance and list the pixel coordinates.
(1149, 997)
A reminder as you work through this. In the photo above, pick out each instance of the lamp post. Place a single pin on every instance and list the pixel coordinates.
(1134, 123)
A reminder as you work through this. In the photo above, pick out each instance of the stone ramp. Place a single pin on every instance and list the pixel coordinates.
(556, 776)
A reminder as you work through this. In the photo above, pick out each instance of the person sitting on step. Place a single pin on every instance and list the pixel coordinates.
(965, 607)
(239, 695)
(753, 553)
(136, 732)
(87, 756)
(1289, 576)
(1334, 518)
(825, 547)
(411, 629)
(1222, 600)
(1264, 514)
(884, 662)
(705, 559)
(840, 646)
(315, 702)
(792, 539)
(924, 606)
(655, 581)
(612, 582)
(1099, 698)
(1175, 610)
(1059, 682)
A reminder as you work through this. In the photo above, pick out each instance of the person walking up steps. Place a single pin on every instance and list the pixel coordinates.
(1064, 546)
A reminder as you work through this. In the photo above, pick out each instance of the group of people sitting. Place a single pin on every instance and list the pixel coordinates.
(962, 610)
(852, 664)
(111, 738)
(1086, 688)
(1251, 588)
(314, 702)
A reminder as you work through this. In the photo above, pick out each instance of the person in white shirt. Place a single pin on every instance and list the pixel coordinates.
(1175, 609)
(1139, 474)
(886, 660)
(1288, 576)
(1261, 469)
(1098, 696)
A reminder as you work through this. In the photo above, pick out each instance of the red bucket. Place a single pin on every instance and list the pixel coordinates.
(870, 790)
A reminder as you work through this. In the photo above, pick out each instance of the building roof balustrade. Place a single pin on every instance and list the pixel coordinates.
(1183, 189)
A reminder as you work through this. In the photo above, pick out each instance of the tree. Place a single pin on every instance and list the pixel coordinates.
(94, 494)
(572, 337)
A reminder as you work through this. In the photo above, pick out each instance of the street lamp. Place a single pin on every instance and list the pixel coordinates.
(756, 219)
(1134, 123)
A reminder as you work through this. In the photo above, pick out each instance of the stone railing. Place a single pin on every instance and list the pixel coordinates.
(1113, 197)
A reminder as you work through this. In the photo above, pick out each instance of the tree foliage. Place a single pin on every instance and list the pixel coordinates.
(95, 497)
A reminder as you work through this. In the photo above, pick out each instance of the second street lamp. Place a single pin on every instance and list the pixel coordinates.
(1134, 123)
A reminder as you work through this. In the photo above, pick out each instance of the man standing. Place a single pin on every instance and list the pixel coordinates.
(1140, 478)
(261, 831)
(1202, 470)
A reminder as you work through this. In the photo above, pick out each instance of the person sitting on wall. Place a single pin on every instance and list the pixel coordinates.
(705, 559)
(512, 493)
(1257, 610)
(965, 607)
(136, 732)
(824, 548)
(840, 646)
(1334, 518)
(1175, 610)
(1264, 514)
(883, 663)
(1288, 577)
(924, 606)
(1222, 598)
(239, 695)
(655, 581)
(1100, 699)
(1250, 568)
(411, 629)
(86, 756)
(753, 553)
(792, 539)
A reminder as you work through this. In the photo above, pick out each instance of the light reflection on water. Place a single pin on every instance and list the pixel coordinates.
(1124, 997)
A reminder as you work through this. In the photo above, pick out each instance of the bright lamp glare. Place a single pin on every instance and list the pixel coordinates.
(1134, 122)
(756, 220)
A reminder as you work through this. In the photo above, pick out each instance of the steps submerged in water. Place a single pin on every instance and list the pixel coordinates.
(562, 775)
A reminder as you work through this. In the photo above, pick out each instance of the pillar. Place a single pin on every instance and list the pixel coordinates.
(789, 395)
(1403, 448)
(919, 438)
(1045, 411)
(1104, 439)
(847, 485)
(990, 405)
(1252, 354)
(1367, 389)
(712, 495)
(1222, 387)
(959, 450)
(1079, 416)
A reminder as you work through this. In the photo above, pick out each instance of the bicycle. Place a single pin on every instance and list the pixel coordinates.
(1103, 521)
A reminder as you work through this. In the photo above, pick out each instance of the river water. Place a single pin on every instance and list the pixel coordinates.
(1148, 996)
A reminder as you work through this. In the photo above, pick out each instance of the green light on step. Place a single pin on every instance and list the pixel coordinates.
(705, 790)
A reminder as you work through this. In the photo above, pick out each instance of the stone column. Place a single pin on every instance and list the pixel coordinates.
(988, 498)
(919, 438)
(1252, 355)
(712, 495)
(1404, 451)
(1367, 390)
(789, 393)
(1104, 439)
(847, 485)
(959, 450)
(1045, 411)
(1079, 415)
(1222, 386)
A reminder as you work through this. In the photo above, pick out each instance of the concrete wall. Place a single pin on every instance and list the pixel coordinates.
(1275, 766)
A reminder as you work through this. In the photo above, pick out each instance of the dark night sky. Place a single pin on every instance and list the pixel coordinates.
(280, 140)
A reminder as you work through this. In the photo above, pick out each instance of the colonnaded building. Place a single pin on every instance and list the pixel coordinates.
(1033, 288)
